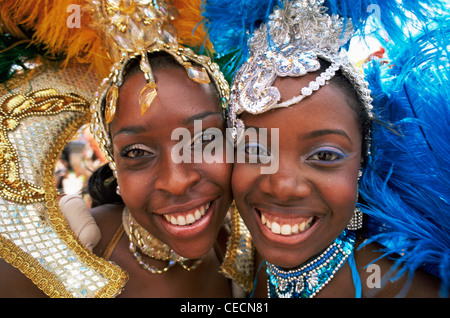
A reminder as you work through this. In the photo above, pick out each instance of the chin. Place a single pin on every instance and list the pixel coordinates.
(194, 249)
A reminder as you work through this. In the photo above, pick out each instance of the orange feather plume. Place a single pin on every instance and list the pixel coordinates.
(188, 24)
(48, 23)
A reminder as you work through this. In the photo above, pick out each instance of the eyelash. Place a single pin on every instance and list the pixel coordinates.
(259, 148)
(201, 135)
(336, 155)
(125, 153)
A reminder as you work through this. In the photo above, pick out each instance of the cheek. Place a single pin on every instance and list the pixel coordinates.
(340, 193)
(215, 174)
(221, 173)
(244, 177)
(134, 188)
(135, 184)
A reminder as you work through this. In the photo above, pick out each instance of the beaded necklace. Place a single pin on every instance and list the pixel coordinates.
(143, 243)
(309, 279)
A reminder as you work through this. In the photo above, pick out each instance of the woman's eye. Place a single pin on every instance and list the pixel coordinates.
(135, 152)
(256, 150)
(327, 156)
(202, 138)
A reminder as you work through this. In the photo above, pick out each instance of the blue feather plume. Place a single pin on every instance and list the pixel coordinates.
(407, 183)
(392, 16)
(230, 23)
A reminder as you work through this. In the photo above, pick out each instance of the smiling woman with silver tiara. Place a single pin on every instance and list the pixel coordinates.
(306, 219)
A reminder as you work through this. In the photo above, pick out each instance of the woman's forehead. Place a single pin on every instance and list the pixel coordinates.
(178, 99)
(328, 102)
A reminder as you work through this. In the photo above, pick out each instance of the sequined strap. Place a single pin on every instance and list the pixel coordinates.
(113, 243)
(238, 264)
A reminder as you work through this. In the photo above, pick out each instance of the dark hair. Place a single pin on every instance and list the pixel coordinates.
(102, 184)
(102, 187)
(159, 60)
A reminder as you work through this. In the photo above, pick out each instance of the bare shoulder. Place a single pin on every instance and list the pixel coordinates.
(104, 213)
(14, 284)
(380, 280)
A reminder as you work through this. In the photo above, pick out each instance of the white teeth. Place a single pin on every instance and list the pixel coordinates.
(189, 218)
(276, 228)
(301, 227)
(286, 229)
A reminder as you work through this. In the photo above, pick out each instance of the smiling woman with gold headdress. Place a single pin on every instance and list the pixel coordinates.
(358, 176)
(161, 223)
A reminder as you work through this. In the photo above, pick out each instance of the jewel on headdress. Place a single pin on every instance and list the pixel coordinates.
(111, 103)
(148, 93)
(196, 73)
(297, 36)
(146, 97)
(144, 64)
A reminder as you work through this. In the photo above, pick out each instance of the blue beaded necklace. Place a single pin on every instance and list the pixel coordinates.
(309, 279)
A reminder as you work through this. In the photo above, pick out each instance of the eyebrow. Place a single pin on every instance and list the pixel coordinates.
(130, 130)
(319, 133)
(191, 119)
(133, 130)
(323, 132)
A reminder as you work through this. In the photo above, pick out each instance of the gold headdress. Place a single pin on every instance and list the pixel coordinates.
(132, 30)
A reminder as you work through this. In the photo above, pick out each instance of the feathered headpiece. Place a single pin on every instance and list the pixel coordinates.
(64, 30)
(406, 184)
(134, 29)
(290, 43)
(230, 23)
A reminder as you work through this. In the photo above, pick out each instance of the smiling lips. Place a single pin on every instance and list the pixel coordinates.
(188, 217)
(285, 226)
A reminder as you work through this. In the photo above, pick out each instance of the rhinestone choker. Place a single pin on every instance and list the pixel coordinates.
(309, 279)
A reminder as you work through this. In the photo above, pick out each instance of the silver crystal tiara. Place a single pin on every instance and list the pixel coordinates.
(290, 44)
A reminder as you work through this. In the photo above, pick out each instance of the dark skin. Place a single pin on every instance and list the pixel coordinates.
(153, 187)
(316, 184)
(205, 281)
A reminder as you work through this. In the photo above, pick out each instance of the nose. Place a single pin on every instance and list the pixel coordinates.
(176, 178)
(287, 183)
